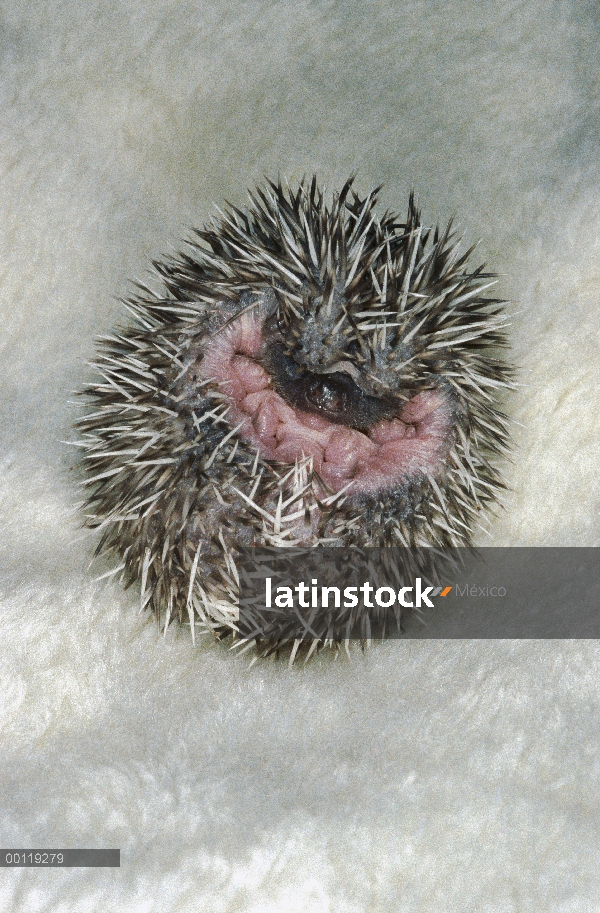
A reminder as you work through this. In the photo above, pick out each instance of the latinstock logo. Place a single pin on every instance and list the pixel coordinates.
(315, 597)
(381, 593)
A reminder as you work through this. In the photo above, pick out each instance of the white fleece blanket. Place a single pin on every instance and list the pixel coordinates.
(443, 777)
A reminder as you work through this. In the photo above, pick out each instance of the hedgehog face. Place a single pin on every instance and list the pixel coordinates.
(357, 442)
(310, 374)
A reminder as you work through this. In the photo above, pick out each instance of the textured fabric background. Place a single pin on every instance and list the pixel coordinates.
(428, 776)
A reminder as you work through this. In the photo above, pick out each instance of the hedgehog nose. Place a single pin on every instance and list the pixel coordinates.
(326, 395)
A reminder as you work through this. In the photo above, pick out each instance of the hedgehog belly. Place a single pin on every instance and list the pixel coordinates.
(414, 441)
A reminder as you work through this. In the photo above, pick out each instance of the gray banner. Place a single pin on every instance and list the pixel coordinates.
(340, 593)
(59, 858)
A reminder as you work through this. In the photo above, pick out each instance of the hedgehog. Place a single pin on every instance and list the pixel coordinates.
(309, 374)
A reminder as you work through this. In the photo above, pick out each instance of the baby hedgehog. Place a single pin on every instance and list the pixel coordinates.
(309, 374)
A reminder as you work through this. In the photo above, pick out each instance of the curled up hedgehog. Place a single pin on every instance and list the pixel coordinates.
(309, 374)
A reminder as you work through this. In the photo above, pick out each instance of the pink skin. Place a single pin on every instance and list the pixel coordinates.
(392, 451)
